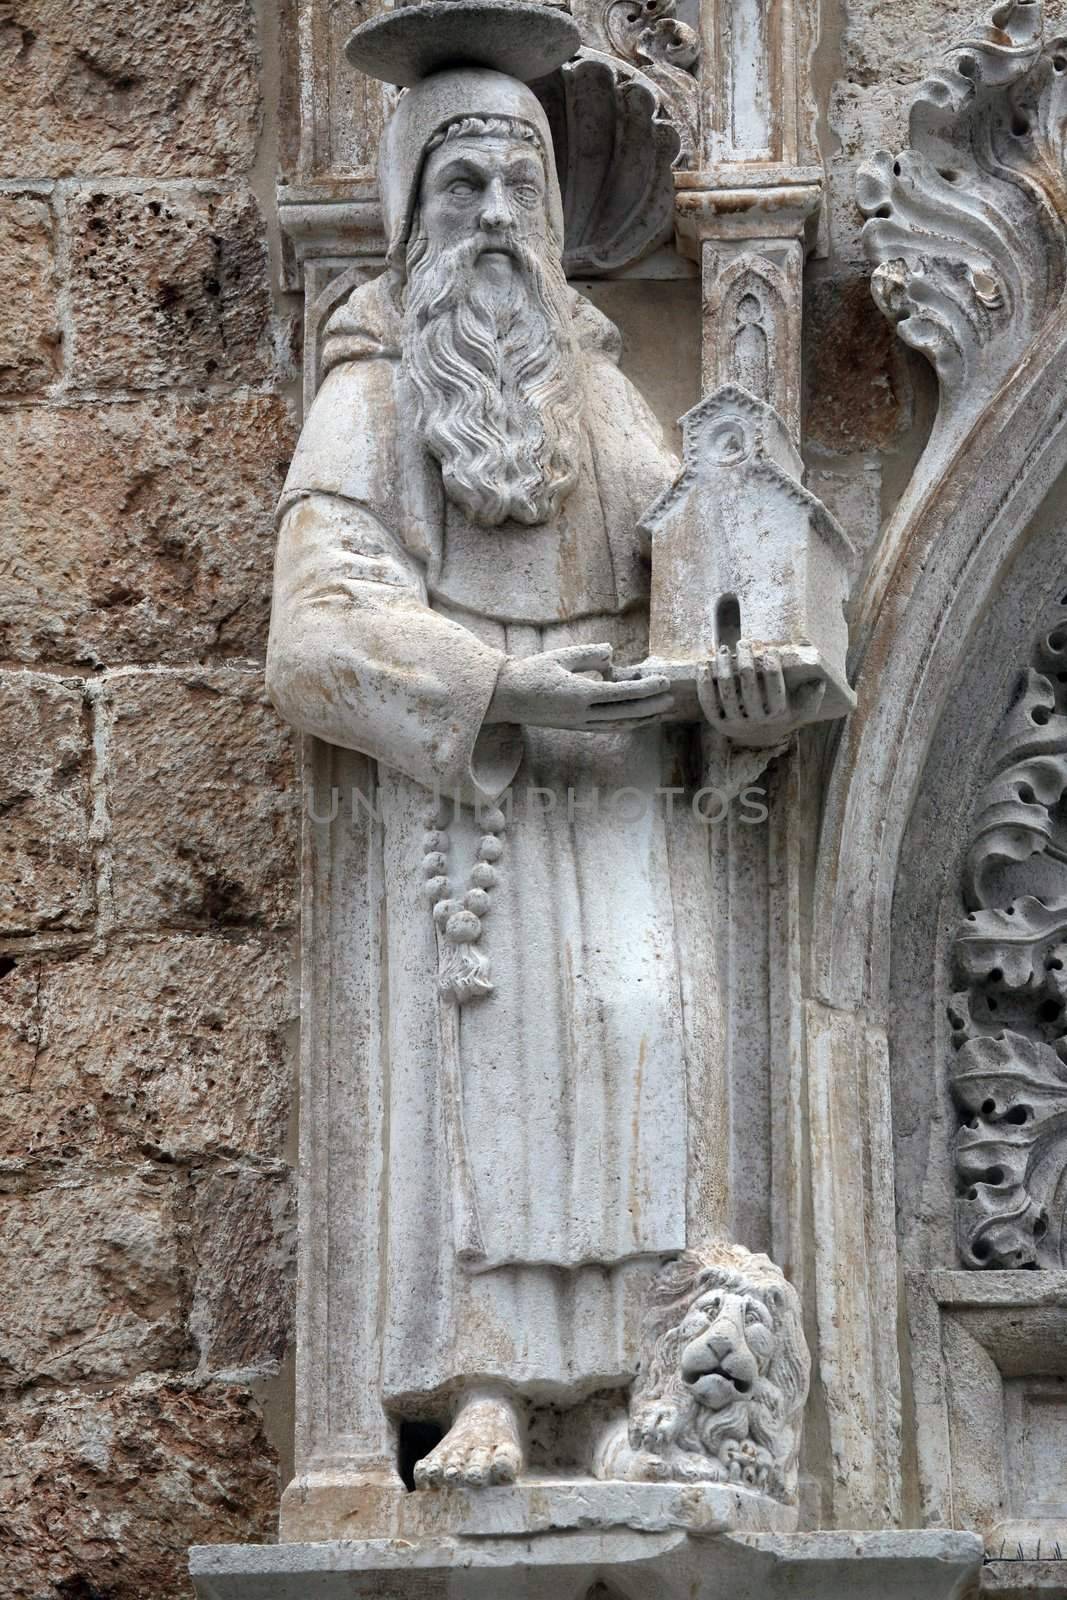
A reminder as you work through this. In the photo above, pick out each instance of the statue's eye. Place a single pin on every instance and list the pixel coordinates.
(754, 1313)
(526, 194)
(461, 188)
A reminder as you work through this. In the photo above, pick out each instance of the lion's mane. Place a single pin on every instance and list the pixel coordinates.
(770, 1416)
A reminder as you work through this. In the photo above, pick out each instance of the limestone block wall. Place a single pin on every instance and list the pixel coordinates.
(148, 805)
(148, 799)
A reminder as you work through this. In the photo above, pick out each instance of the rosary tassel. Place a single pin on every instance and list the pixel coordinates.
(463, 972)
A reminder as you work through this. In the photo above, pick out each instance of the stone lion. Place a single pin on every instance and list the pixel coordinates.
(723, 1377)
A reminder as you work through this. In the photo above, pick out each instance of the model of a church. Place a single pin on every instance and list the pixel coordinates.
(741, 550)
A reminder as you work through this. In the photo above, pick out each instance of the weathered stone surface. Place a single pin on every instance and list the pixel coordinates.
(895, 43)
(650, 317)
(94, 86)
(29, 325)
(102, 1494)
(167, 288)
(45, 861)
(204, 801)
(468, 1522)
(174, 1048)
(243, 1241)
(111, 1244)
(895, 1565)
(858, 393)
(140, 532)
(19, 1036)
(851, 490)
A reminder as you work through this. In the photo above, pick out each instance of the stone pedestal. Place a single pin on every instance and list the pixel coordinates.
(321, 1506)
(571, 1563)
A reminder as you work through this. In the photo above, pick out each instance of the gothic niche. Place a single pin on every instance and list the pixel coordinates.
(464, 524)
(1009, 1076)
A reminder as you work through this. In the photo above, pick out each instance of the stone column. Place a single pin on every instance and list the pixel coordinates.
(749, 239)
(749, 215)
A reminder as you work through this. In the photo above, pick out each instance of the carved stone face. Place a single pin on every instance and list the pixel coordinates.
(489, 188)
(728, 1341)
(489, 345)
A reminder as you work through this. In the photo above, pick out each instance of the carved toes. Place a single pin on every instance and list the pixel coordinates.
(469, 1457)
(429, 1472)
(506, 1463)
(746, 1463)
(479, 1466)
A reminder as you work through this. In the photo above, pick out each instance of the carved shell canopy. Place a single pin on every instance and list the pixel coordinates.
(615, 147)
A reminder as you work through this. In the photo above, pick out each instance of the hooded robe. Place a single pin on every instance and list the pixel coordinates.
(538, 1147)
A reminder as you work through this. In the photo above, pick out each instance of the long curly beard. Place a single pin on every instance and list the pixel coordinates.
(496, 378)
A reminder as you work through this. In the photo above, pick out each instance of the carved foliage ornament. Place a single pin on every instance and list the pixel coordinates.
(968, 227)
(651, 36)
(648, 31)
(1009, 1077)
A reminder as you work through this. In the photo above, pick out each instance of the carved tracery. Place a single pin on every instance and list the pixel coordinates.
(753, 310)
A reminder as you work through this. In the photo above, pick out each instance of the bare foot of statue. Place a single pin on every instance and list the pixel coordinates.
(484, 1445)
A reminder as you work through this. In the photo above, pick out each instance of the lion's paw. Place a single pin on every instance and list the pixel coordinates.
(652, 1428)
(648, 1468)
(687, 1466)
(746, 1463)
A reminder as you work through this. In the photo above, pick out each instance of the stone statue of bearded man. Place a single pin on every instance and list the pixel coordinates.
(462, 594)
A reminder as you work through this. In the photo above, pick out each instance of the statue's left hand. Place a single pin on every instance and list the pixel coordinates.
(743, 693)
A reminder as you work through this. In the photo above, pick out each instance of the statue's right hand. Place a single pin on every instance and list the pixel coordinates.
(567, 688)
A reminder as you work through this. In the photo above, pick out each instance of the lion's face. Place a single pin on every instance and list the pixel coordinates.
(728, 1340)
(724, 1373)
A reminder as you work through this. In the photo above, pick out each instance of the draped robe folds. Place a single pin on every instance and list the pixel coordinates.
(537, 1138)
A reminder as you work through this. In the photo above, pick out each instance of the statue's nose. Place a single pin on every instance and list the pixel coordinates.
(496, 207)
